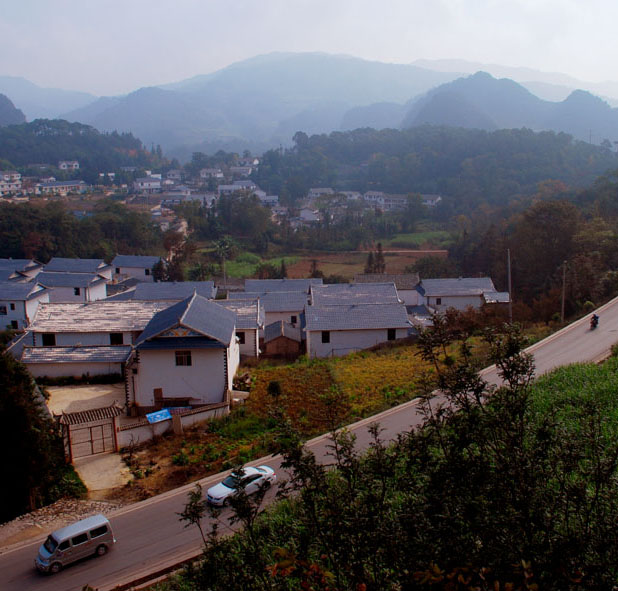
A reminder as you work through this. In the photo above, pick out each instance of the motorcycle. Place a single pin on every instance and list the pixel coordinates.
(594, 322)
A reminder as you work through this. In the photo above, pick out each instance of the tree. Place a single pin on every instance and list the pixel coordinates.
(380, 263)
(370, 264)
(283, 272)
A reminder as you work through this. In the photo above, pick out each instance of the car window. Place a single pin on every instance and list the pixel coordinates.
(80, 539)
(64, 546)
(50, 544)
(231, 481)
(99, 531)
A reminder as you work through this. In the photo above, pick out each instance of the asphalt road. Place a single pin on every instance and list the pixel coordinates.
(150, 536)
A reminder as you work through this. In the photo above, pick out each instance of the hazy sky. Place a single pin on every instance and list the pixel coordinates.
(115, 46)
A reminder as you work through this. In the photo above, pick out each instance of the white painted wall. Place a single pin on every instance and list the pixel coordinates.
(204, 380)
(134, 272)
(343, 342)
(250, 346)
(86, 294)
(457, 302)
(32, 305)
(56, 370)
(24, 311)
(70, 339)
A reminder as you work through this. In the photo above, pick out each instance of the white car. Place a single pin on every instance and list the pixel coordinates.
(251, 479)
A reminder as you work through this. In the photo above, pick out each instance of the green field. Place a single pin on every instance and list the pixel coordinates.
(434, 239)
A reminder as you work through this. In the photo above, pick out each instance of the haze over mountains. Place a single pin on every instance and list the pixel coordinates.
(260, 103)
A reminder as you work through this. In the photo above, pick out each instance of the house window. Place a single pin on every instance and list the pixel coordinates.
(147, 271)
(293, 319)
(49, 339)
(241, 338)
(117, 270)
(115, 338)
(12, 306)
(77, 291)
(391, 334)
(2, 310)
(183, 358)
(326, 336)
(438, 301)
(14, 324)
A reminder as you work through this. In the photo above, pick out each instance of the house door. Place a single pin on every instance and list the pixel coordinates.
(88, 440)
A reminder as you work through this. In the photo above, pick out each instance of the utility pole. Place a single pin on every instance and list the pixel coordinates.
(510, 286)
(564, 265)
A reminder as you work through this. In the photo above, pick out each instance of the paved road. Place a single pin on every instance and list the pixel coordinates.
(150, 536)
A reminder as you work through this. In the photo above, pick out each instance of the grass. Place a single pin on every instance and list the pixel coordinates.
(246, 264)
(439, 239)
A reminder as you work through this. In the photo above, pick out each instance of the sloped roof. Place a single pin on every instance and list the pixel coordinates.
(276, 301)
(18, 264)
(461, 286)
(497, 297)
(127, 260)
(354, 293)
(268, 285)
(77, 354)
(59, 279)
(401, 280)
(15, 290)
(68, 265)
(249, 313)
(173, 290)
(197, 314)
(89, 416)
(356, 317)
(281, 329)
(99, 316)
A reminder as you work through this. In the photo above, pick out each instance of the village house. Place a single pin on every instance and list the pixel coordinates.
(242, 171)
(211, 173)
(168, 291)
(186, 356)
(430, 200)
(175, 175)
(147, 185)
(282, 339)
(19, 269)
(19, 302)
(459, 293)
(405, 283)
(70, 265)
(316, 192)
(136, 266)
(277, 305)
(68, 165)
(85, 339)
(63, 187)
(336, 330)
(250, 320)
(73, 287)
(10, 182)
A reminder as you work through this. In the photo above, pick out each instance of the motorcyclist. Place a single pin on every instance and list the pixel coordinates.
(594, 321)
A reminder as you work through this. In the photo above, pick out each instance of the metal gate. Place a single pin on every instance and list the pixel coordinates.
(88, 440)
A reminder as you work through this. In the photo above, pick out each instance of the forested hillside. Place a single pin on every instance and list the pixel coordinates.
(46, 141)
(468, 167)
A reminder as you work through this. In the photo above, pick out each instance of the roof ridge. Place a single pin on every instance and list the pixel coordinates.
(192, 298)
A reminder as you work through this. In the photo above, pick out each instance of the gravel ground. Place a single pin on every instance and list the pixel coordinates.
(43, 521)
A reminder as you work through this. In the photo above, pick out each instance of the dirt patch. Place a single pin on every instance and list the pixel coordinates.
(347, 264)
(79, 398)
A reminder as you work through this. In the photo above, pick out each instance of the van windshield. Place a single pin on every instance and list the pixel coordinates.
(50, 544)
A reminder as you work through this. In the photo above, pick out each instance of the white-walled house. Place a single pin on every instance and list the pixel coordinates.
(90, 266)
(336, 330)
(136, 266)
(250, 319)
(186, 356)
(405, 283)
(73, 287)
(459, 293)
(19, 303)
(95, 338)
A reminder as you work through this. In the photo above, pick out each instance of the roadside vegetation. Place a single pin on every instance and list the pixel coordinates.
(514, 488)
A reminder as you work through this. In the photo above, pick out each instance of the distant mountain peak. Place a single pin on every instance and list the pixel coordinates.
(9, 114)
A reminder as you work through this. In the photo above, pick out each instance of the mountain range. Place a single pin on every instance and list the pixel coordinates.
(261, 102)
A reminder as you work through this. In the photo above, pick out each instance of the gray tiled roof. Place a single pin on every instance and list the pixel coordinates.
(268, 285)
(77, 354)
(401, 280)
(197, 314)
(281, 329)
(497, 297)
(354, 293)
(99, 316)
(15, 290)
(76, 265)
(127, 260)
(88, 416)
(18, 264)
(276, 301)
(173, 291)
(57, 279)
(356, 317)
(461, 286)
(249, 313)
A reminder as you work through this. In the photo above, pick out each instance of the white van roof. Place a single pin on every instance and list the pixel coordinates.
(79, 527)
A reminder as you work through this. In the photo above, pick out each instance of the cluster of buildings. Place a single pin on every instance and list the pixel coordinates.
(12, 182)
(178, 345)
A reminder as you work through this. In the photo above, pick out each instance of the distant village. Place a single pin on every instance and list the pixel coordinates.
(160, 192)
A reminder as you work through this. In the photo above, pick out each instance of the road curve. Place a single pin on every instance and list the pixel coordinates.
(150, 537)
